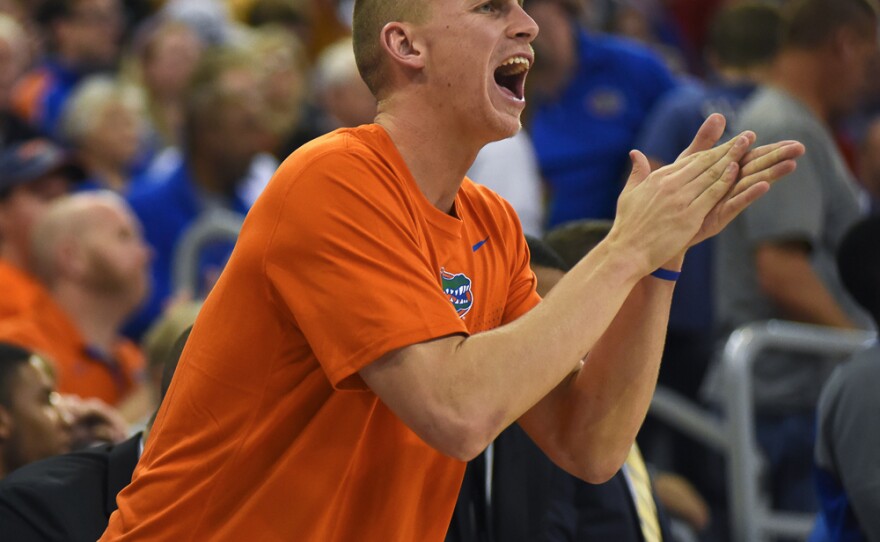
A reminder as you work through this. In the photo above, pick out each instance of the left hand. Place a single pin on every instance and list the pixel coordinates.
(759, 169)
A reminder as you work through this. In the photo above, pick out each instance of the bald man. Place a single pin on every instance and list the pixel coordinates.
(377, 324)
(87, 250)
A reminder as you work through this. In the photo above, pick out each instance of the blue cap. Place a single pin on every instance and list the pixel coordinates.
(34, 159)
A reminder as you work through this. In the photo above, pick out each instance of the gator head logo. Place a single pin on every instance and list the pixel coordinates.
(458, 289)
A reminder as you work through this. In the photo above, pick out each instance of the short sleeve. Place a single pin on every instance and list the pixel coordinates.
(346, 259)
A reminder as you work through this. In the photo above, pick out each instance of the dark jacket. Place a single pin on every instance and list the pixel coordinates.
(67, 497)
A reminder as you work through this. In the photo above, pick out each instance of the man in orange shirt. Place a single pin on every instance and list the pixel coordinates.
(88, 251)
(377, 324)
(32, 174)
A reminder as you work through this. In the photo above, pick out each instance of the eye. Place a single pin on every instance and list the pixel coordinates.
(488, 7)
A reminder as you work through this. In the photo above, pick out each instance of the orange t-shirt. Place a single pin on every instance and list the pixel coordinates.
(20, 293)
(79, 369)
(268, 432)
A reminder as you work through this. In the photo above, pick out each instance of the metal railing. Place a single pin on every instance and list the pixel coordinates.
(752, 518)
(212, 226)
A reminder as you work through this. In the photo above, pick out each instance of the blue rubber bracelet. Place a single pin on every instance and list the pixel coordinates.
(666, 274)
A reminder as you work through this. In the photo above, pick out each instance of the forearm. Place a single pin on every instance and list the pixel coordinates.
(787, 277)
(598, 412)
(471, 389)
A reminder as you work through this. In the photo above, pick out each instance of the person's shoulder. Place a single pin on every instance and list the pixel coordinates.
(44, 476)
(346, 157)
(483, 200)
(368, 139)
(861, 371)
(853, 381)
(166, 175)
(775, 115)
(686, 97)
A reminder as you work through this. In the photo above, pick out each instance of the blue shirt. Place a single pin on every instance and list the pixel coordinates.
(167, 205)
(52, 84)
(583, 138)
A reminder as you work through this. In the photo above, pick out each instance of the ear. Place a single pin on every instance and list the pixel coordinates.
(397, 42)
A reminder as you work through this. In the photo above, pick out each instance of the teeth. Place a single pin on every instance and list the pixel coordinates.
(517, 64)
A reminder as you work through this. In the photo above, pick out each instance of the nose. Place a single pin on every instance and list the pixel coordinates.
(523, 27)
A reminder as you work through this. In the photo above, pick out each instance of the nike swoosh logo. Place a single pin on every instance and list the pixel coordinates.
(481, 243)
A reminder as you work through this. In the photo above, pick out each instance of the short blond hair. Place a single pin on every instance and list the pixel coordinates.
(370, 17)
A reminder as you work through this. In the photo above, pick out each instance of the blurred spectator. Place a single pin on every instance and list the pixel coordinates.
(32, 424)
(159, 343)
(290, 120)
(165, 54)
(648, 22)
(339, 89)
(869, 162)
(85, 38)
(510, 168)
(13, 61)
(223, 133)
(209, 18)
(295, 16)
(776, 260)
(848, 445)
(32, 174)
(589, 95)
(88, 251)
(743, 41)
(574, 239)
(104, 121)
(70, 497)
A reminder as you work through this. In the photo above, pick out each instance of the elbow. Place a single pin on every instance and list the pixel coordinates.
(595, 466)
(599, 472)
(462, 440)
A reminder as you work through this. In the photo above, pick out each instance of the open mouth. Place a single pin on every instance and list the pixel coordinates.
(511, 76)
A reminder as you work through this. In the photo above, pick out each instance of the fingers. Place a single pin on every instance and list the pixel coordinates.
(766, 156)
(641, 168)
(709, 197)
(768, 163)
(712, 166)
(731, 208)
(707, 136)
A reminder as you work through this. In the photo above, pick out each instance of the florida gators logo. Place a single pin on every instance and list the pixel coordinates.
(458, 288)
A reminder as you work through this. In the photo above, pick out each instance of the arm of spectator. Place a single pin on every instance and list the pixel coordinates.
(458, 393)
(785, 274)
(682, 500)
(93, 421)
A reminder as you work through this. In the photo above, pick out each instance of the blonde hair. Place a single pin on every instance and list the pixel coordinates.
(161, 337)
(91, 97)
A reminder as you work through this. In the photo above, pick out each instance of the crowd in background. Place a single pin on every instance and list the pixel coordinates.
(127, 127)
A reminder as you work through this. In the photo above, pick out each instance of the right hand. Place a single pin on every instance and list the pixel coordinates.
(659, 213)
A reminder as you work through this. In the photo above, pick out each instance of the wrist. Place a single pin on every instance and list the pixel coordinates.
(665, 274)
